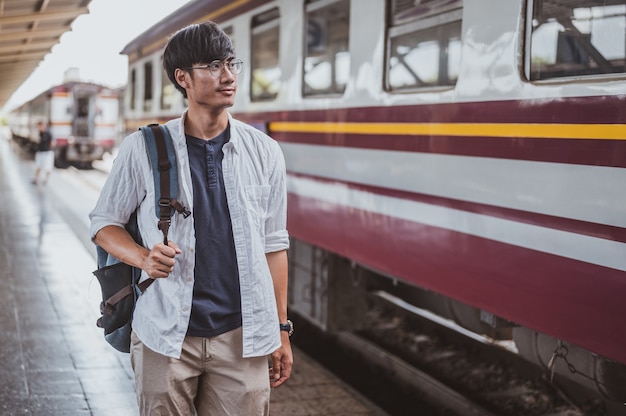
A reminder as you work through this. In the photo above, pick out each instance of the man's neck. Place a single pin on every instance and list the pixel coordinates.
(205, 125)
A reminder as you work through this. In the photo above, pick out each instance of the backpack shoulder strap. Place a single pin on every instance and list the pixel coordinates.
(162, 157)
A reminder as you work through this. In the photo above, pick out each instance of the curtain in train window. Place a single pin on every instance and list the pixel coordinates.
(327, 59)
(576, 38)
(266, 75)
(424, 44)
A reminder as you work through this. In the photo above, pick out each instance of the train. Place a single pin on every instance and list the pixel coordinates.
(82, 117)
(466, 158)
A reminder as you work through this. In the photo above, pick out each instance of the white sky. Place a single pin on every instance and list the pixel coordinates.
(94, 44)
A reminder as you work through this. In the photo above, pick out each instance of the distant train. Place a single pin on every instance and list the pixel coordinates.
(466, 157)
(82, 118)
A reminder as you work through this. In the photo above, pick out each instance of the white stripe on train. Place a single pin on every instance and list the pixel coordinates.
(586, 193)
(589, 249)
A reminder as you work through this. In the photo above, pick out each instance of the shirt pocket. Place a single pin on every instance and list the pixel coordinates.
(257, 197)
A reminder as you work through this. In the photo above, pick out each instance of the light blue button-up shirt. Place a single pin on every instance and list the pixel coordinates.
(254, 177)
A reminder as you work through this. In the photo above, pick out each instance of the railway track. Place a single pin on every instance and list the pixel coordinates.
(409, 365)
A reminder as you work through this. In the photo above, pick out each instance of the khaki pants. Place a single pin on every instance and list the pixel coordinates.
(210, 378)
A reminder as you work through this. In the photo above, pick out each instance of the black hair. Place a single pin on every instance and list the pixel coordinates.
(199, 43)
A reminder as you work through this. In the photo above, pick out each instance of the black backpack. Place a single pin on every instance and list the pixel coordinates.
(119, 282)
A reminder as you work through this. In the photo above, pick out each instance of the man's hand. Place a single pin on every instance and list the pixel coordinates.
(160, 260)
(282, 361)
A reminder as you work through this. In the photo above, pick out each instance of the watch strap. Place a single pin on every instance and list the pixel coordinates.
(288, 327)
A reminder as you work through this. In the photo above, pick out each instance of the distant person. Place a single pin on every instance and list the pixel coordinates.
(205, 329)
(44, 156)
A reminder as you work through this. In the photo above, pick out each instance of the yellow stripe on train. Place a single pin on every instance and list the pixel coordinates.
(538, 130)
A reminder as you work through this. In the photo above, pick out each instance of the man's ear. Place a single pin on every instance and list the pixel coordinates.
(182, 78)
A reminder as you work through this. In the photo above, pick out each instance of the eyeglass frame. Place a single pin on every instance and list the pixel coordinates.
(223, 65)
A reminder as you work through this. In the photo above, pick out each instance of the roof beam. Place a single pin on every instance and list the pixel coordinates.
(23, 56)
(8, 66)
(33, 46)
(30, 33)
(55, 15)
(17, 77)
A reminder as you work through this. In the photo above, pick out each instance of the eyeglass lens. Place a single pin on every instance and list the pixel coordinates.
(217, 67)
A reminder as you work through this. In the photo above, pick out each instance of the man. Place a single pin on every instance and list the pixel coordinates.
(44, 156)
(203, 330)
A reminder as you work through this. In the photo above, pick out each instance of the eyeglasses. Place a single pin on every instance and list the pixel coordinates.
(216, 68)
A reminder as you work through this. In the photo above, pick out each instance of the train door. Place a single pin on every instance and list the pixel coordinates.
(82, 149)
(82, 126)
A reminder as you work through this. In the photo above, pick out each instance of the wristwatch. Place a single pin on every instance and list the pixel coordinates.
(288, 327)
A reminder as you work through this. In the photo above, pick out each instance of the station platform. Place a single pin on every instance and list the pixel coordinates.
(54, 360)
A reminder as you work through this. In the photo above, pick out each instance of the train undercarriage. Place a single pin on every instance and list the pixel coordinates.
(331, 292)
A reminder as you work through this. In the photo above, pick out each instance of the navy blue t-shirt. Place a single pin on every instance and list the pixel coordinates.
(216, 305)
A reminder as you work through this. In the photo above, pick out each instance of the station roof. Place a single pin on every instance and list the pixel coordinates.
(28, 31)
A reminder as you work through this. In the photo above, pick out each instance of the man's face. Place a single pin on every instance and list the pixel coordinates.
(212, 85)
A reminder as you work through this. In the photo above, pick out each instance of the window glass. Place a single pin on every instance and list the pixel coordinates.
(133, 88)
(424, 44)
(327, 59)
(229, 32)
(168, 92)
(576, 38)
(265, 79)
(147, 86)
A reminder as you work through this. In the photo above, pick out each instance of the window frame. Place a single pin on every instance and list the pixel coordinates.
(444, 14)
(312, 6)
(272, 22)
(526, 65)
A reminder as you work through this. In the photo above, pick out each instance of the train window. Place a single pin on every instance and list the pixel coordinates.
(133, 88)
(576, 38)
(229, 32)
(423, 44)
(265, 79)
(327, 60)
(147, 86)
(168, 92)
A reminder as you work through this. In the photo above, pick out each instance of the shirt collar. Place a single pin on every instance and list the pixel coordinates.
(234, 138)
